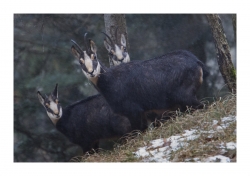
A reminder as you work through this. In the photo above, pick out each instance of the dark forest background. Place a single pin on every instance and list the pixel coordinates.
(42, 58)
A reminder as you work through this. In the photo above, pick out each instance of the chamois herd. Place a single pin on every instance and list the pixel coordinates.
(131, 94)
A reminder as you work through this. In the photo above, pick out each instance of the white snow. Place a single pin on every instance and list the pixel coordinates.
(231, 145)
(160, 150)
(217, 158)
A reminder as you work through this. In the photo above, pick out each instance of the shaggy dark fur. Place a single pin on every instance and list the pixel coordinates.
(90, 120)
(160, 83)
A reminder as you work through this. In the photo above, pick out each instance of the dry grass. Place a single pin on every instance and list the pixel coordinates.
(202, 147)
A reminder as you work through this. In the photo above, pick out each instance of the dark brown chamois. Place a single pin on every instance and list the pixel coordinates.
(131, 89)
(85, 122)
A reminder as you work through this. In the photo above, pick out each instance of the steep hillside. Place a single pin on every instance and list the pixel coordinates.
(207, 135)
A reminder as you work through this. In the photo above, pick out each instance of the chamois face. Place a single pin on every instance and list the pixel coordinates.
(88, 60)
(118, 52)
(51, 105)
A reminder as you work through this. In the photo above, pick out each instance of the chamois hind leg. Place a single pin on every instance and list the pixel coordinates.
(135, 114)
(121, 125)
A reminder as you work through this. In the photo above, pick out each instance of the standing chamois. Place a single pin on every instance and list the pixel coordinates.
(118, 54)
(134, 88)
(85, 122)
(141, 122)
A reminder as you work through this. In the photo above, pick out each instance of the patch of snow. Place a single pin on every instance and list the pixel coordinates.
(190, 134)
(157, 143)
(192, 160)
(223, 151)
(160, 149)
(230, 119)
(227, 121)
(215, 122)
(219, 129)
(217, 158)
(163, 147)
(231, 145)
(142, 152)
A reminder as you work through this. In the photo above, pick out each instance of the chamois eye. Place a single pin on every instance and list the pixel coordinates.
(124, 48)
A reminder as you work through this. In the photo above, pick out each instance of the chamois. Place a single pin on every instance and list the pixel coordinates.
(117, 55)
(140, 123)
(131, 89)
(86, 121)
(117, 52)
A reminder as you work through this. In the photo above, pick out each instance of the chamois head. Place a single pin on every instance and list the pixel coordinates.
(51, 104)
(117, 51)
(88, 59)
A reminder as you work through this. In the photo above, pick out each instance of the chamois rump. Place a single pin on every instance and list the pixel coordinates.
(86, 121)
(134, 88)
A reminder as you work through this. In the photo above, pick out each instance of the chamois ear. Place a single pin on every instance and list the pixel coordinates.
(55, 92)
(92, 46)
(123, 40)
(40, 97)
(75, 52)
(107, 45)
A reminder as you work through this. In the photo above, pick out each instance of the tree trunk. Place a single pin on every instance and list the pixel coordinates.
(223, 52)
(234, 25)
(112, 21)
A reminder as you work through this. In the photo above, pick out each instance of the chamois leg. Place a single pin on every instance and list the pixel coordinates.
(121, 125)
(139, 122)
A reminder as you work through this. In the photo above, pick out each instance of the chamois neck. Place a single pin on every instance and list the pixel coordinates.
(54, 121)
(101, 69)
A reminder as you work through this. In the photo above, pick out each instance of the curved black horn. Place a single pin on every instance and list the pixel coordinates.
(55, 92)
(76, 45)
(85, 43)
(109, 38)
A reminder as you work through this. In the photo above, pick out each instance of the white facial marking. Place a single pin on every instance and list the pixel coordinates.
(60, 113)
(54, 118)
(53, 107)
(118, 52)
(107, 46)
(88, 62)
(82, 60)
(116, 62)
(126, 59)
(123, 40)
(95, 74)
